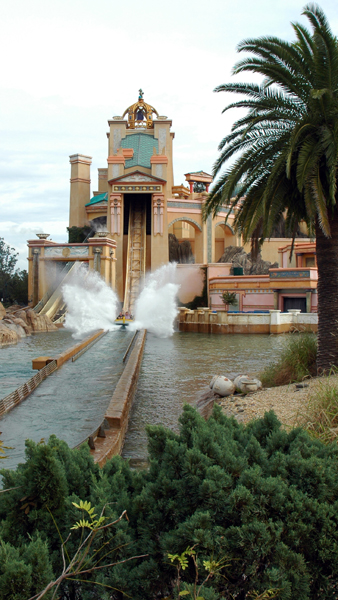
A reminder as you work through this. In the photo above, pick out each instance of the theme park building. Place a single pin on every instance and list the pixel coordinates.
(138, 220)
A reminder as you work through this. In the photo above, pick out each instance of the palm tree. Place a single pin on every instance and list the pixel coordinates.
(288, 161)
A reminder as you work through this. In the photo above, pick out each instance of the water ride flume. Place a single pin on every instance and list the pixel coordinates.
(123, 320)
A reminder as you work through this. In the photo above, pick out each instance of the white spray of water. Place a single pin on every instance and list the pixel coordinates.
(91, 304)
(155, 308)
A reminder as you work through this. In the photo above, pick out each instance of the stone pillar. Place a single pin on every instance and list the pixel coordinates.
(116, 229)
(275, 299)
(158, 241)
(115, 213)
(158, 208)
(79, 189)
(112, 269)
(97, 259)
(35, 298)
(275, 321)
(308, 301)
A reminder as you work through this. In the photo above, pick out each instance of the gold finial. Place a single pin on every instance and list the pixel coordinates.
(140, 114)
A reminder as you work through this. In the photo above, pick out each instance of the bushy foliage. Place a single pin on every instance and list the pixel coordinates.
(256, 499)
(76, 235)
(296, 362)
(13, 282)
(319, 416)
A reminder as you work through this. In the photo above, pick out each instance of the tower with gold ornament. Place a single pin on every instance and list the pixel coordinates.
(133, 192)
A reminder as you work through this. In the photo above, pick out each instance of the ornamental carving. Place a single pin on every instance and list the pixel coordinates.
(66, 251)
(115, 213)
(158, 210)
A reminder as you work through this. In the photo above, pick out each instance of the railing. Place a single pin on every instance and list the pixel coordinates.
(27, 388)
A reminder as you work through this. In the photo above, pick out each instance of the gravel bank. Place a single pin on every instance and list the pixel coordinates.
(287, 401)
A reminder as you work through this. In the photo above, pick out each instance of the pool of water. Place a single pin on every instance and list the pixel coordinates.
(176, 370)
(72, 401)
(16, 360)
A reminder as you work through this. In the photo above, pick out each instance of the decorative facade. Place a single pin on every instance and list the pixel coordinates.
(137, 208)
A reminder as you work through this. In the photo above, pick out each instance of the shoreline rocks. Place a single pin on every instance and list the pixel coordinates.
(17, 322)
(223, 386)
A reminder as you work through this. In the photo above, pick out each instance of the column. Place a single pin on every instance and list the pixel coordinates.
(112, 273)
(115, 213)
(158, 208)
(97, 259)
(79, 189)
(159, 242)
(275, 321)
(36, 253)
(116, 229)
(308, 301)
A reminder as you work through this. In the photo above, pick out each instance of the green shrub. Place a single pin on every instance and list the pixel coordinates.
(320, 415)
(297, 361)
(256, 499)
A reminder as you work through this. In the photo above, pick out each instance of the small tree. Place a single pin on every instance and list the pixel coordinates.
(8, 260)
(13, 283)
(229, 298)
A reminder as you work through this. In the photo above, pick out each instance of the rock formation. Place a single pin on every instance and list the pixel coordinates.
(17, 322)
(239, 258)
(180, 252)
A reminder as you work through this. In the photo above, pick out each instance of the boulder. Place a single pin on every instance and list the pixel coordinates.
(251, 266)
(2, 311)
(7, 335)
(180, 252)
(39, 322)
(211, 384)
(14, 327)
(22, 324)
(223, 386)
(173, 248)
(21, 314)
(185, 253)
(245, 384)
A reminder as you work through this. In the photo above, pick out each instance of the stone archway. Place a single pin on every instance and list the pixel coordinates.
(188, 235)
(224, 236)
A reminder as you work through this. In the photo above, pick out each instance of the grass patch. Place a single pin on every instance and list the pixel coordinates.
(297, 361)
(320, 417)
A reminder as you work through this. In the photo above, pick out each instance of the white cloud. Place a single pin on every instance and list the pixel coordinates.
(70, 65)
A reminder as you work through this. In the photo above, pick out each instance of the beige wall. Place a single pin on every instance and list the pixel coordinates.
(190, 278)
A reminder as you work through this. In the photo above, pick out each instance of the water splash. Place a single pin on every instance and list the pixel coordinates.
(156, 308)
(91, 304)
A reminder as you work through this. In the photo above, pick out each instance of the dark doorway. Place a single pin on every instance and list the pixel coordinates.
(295, 304)
(140, 200)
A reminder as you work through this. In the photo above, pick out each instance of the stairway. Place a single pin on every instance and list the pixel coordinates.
(136, 256)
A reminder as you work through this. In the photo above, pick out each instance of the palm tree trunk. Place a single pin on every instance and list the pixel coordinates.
(327, 262)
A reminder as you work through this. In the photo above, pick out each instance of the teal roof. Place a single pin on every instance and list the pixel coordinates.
(143, 146)
(97, 199)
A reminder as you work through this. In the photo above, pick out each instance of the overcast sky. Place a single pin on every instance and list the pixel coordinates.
(67, 66)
